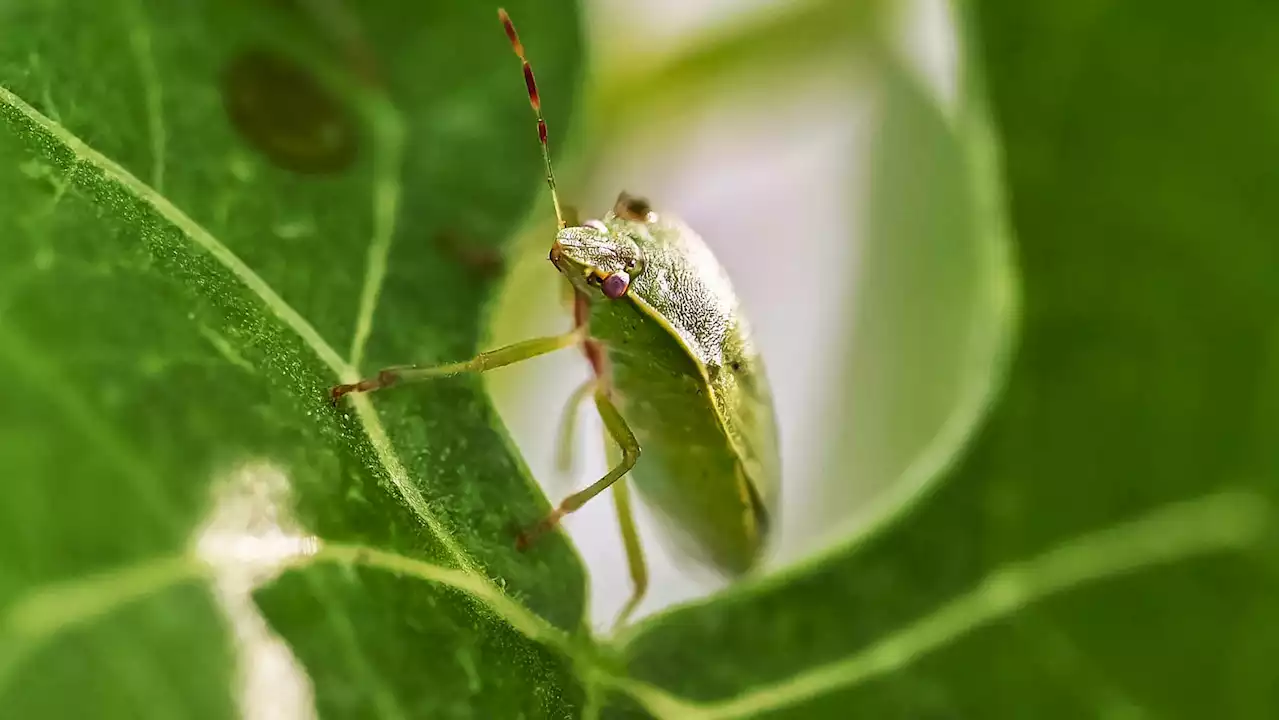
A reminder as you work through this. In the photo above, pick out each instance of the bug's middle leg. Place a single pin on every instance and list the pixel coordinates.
(621, 434)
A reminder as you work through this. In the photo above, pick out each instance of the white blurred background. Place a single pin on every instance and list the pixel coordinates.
(772, 154)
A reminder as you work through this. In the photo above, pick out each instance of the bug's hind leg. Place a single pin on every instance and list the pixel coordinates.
(635, 554)
(488, 360)
(622, 435)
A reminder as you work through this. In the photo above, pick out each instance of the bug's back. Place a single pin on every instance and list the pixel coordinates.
(690, 383)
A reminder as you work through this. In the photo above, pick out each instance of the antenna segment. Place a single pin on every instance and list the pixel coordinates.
(537, 110)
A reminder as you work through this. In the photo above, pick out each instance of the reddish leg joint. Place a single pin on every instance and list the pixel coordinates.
(547, 523)
(386, 378)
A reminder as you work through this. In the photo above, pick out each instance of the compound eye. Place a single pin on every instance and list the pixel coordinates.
(615, 285)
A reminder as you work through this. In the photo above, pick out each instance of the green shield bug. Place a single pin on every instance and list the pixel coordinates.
(674, 373)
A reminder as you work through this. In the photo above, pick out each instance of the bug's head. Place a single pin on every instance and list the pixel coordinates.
(597, 257)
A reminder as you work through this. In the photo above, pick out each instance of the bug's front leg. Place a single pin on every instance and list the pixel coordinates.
(485, 361)
(622, 435)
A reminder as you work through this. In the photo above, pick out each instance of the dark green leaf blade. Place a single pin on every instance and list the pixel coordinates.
(1103, 545)
(195, 193)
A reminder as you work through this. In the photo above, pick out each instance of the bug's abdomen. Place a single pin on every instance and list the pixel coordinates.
(689, 470)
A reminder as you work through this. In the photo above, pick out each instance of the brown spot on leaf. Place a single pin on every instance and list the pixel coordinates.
(486, 262)
(287, 115)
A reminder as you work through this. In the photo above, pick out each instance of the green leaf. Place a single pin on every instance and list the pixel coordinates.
(1100, 545)
(218, 210)
(214, 212)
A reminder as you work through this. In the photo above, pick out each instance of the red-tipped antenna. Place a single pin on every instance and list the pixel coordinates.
(537, 109)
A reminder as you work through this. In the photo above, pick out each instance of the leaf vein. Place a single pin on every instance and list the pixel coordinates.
(48, 610)
(515, 614)
(140, 43)
(388, 136)
(51, 609)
